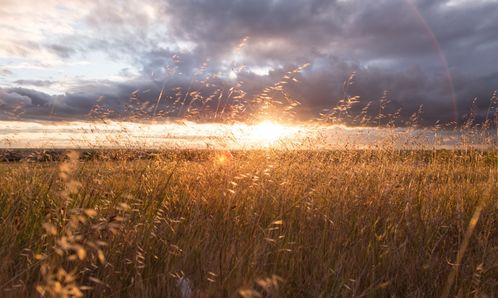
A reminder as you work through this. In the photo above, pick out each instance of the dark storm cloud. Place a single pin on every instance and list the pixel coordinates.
(352, 30)
(12, 99)
(92, 99)
(395, 48)
(219, 25)
(37, 98)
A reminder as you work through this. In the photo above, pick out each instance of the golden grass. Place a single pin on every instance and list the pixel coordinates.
(253, 224)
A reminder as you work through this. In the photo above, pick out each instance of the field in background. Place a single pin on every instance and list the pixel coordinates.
(250, 223)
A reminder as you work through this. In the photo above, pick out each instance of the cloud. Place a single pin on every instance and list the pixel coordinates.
(36, 83)
(12, 99)
(430, 53)
(11, 102)
(5, 72)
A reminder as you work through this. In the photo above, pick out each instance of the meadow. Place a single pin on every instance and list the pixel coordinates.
(254, 223)
(252, 149)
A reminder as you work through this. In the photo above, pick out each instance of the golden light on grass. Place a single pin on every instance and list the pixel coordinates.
(86, 222)
(222, 157)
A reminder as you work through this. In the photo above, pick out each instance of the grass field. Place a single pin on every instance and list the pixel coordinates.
(252, 223)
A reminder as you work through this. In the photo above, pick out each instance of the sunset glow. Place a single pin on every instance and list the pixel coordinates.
(269, 132)
(191, 135)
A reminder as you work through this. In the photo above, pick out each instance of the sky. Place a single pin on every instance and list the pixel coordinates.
(59, 60)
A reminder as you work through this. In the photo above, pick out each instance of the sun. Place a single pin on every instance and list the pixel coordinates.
(268, 131)
(264, 134)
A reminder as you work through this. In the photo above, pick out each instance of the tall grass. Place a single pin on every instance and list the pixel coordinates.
(256, 223)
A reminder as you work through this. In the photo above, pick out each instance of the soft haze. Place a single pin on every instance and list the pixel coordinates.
(57, 58)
